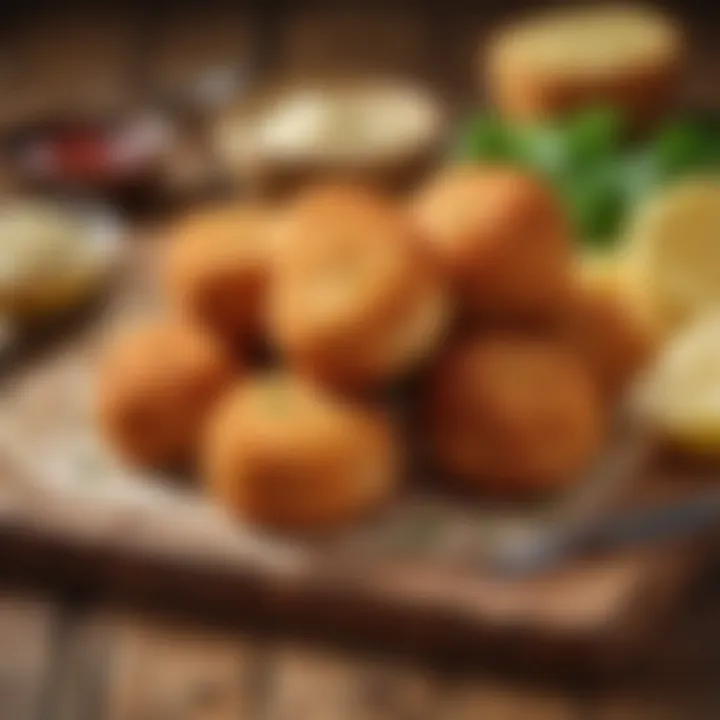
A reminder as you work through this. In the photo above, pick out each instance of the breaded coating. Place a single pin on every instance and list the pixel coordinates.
(217, 266)
(156, 385)
(354, 299)
(512, 414)
(502, 238)
(284, 453)
(615, 339)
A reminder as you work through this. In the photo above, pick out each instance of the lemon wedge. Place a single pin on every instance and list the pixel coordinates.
(673, 252)
(680, 396)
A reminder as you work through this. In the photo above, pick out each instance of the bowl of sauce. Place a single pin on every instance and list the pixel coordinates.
(90, 154)
(383, 132)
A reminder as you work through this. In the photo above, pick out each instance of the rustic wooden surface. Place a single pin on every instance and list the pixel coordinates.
(412, 580)
(67, 658)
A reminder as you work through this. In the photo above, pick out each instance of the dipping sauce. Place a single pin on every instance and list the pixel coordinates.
(366, 129)
(50, 256)
(91, 153)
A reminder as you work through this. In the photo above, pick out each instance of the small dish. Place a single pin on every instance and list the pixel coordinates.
(90, 155)
(54, 256)
(386, 133)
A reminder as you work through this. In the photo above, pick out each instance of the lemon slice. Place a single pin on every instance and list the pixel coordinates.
(52, 257)
(680, 396)
(673, 252)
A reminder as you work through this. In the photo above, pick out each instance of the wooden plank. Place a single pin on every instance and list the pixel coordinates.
(681, 678)
(27, 634)
(484, 699)
(189, 44)
(700, 86)
(312, 685)
(630, 707)
(78, 684)
(162, 671)
(678, 678)
(354, 40)
(73, 62)
(396, 690)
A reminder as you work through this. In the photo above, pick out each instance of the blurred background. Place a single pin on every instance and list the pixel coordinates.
(63, 63)
(60, 55)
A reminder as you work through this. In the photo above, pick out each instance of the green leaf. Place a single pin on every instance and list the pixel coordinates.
(598, 203)
(592, 135)
(639, 174)
(484, 138)
(543, 148)
(685, 147)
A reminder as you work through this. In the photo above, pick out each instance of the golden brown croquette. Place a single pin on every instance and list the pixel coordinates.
(353, 299)
(501, 237)
(613, 337)
(283, 452)
(217, 268)
(512, 414)
(156, 385)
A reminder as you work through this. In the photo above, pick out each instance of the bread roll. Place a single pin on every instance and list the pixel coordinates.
(567, 59)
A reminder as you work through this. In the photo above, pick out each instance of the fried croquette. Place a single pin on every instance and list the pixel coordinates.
(512, 414)
(612, 336)
(354, 299)
(156, 385)
(501, 237)
(217, 268)
(282, 452)
(564, 60)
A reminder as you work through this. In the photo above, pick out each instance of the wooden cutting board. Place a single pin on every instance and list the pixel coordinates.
(71, 514)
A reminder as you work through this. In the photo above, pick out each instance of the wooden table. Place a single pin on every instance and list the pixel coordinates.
(72, 658)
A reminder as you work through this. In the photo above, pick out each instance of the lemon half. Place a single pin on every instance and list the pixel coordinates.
(673, 252)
